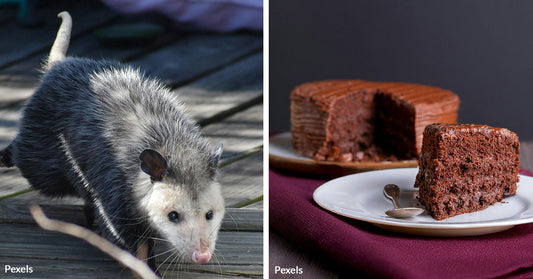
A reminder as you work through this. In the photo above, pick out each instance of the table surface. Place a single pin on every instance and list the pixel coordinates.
(219, 78)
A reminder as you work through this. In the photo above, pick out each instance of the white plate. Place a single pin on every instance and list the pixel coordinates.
(360, 196)
(282, 155)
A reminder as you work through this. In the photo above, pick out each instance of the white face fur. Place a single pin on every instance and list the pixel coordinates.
(190, 225)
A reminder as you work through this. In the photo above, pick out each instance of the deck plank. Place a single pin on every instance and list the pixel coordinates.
(255, 205)
(192, 57)
(11, 96)
(225, 89)
(240, 132)
(242, 181)
(9, 121)
(52, 254)
(12, 181)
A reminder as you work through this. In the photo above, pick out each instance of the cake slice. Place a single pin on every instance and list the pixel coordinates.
(465, 168)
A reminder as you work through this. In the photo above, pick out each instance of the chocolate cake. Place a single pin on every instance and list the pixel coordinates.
(355, 120)
(465, 168)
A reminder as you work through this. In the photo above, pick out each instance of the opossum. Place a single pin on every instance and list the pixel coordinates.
(123, 142)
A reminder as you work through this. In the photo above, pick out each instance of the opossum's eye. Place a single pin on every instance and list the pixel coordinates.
(209, 215)
(174, 217)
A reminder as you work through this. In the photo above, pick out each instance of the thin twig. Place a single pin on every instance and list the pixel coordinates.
(127, 259)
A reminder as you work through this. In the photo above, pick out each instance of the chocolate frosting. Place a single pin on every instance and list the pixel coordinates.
(315, 105)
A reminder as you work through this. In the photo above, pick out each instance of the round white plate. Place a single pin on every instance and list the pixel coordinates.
(281, 155)
(360, 196)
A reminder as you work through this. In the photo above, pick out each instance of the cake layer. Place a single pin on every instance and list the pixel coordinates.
(354, 120)
(465, 168)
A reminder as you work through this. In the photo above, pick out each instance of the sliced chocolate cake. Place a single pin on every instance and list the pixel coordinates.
(465, 168)
(355, 120)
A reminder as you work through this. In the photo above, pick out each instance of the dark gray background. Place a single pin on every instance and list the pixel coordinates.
(482, 50)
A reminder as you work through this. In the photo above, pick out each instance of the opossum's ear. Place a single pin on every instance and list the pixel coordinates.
(216, 158)
(153, 164)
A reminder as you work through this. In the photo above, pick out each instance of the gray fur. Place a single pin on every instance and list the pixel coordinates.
(82, 134)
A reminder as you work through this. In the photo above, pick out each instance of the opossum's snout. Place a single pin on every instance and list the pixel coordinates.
(201, 258)
(203, 255)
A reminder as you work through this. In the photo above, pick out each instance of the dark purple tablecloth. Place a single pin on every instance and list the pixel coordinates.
(369, 250)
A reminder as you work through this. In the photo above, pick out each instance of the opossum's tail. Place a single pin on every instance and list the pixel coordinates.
(60, 46)
(5, 158)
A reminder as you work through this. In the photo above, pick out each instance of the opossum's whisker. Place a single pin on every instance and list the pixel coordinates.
(183, 262)
(232, 219)
(168, 265)
(215, 229)
(137, 221)
(137, 242)
(117, 217)
(217, 261)
(176, 267)
(162, 253)
(176, 251)
(141, 237)
(220, 256)
(165, 262)
(123, 270)
(158, 238)
(123, 218)
(146, 232)
(180, 261)
(176, 255)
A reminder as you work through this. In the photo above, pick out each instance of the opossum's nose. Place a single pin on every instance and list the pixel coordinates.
(201, 258)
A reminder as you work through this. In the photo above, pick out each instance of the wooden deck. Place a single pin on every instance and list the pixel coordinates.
(220, 79)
